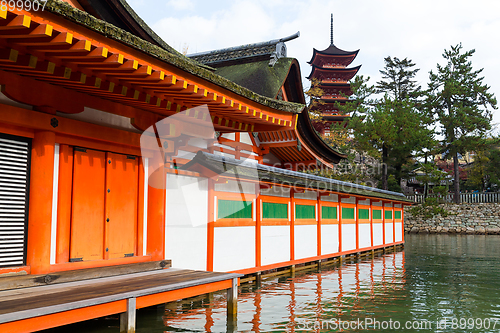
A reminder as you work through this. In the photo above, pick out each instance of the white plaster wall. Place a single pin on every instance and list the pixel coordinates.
(234, 248)
(235, 187)
(348, 237)
(306, 241)
(275, 244)
(399, 231)
(331, 198)
(351, 200)
(276, 191)
(389, 231)
(377, 234)
(364, 235)
(186, 222)
(329, 238)
(309, 195)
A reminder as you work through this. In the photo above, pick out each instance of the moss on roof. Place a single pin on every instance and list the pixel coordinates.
(258, 76)
(171, 56)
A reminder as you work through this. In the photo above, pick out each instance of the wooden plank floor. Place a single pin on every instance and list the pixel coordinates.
(42, 300)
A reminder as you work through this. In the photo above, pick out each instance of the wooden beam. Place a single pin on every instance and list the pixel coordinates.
(128, 319)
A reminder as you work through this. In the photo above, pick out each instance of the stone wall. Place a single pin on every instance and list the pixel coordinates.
(478, 218)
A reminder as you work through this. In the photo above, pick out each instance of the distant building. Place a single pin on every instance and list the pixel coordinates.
(329, 67)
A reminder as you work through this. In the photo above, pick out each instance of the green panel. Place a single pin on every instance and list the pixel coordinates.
(348, 213)
(397, 215)
(388, 214)
(271, 210)
(329, 212)
(232, 209)
(377, 214)
(305, 212)
(364, 214)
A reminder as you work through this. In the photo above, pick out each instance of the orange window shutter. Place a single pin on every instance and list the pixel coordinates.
(87, 223)
(122, 174)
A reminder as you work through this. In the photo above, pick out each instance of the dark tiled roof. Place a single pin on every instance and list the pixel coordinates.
(249, 52)
(172, 57)
(253, 171)
(238, 53)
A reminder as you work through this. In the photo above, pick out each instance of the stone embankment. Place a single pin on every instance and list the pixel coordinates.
(477, 218)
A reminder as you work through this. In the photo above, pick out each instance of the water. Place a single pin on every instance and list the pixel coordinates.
(440, 283)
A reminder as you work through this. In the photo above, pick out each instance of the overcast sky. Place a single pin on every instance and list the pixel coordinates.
(419, 30)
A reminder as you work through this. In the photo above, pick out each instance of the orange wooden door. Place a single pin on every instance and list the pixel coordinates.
(87, 222)
(122, 179)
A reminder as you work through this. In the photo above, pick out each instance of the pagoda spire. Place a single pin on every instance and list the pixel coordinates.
(331, 30)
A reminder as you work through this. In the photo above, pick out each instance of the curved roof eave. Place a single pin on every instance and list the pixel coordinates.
(316, 68)
(316, 144)
(128, 39)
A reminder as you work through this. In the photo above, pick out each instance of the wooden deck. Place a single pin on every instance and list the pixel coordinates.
(41, 307)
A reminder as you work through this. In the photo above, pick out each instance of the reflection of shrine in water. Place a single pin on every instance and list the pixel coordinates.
(354, 291)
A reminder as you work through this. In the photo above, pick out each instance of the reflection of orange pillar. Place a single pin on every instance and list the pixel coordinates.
(40, 204)
(156, 211)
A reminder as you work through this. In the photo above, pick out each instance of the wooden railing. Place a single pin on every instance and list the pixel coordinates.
(484, 197)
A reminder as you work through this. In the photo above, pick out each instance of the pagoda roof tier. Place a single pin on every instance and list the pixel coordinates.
(332, 51)
(345, 89)
(341, 73)
(94, 59)
(339, 85)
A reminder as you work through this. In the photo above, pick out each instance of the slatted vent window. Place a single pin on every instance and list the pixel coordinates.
(14, 189)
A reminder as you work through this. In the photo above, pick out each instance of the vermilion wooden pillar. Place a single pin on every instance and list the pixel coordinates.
(156, 212)
(40, 204)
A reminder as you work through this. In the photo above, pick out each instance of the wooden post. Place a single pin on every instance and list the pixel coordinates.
(258, 226)
(232, 304)
(127, 319)
(319, 220)
(212, 202)
(292, 223)
(340, 222)
(40, 204)
(156, 211)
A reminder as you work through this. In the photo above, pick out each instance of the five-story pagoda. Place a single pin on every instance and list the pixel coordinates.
(329, 68)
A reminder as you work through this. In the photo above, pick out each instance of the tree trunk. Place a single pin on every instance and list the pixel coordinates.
(385, 185)
(456, 179)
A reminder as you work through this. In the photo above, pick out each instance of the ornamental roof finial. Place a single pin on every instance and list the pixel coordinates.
(331, 31)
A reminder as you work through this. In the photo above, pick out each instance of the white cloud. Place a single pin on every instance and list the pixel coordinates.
(180, 4)
(402, 28)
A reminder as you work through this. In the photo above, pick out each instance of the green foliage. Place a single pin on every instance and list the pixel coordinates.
(393, 127)
(429, 209)
(484, 171)
(459, 100)
(429, 174)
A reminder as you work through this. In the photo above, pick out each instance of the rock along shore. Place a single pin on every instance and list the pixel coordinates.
(477, 218)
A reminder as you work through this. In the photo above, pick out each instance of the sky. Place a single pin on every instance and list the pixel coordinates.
(417, 30)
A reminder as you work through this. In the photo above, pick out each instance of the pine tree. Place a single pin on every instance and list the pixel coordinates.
(393, 126)
(459, 100)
